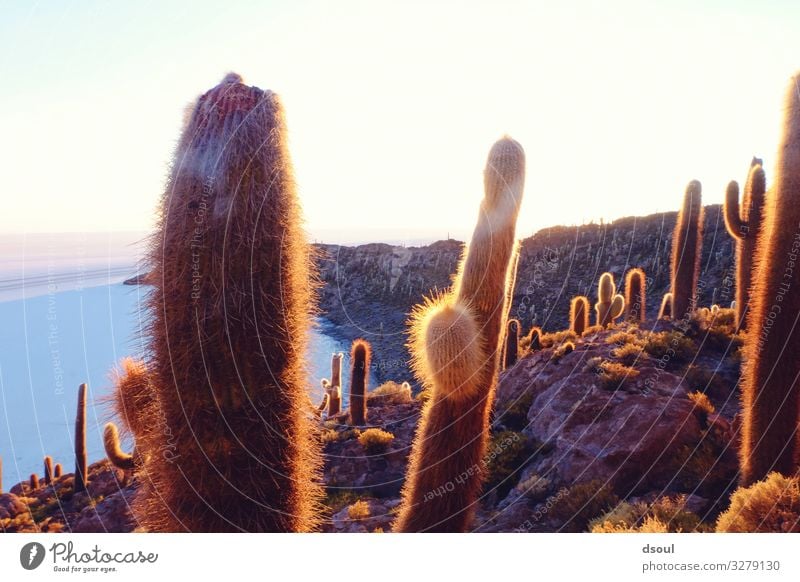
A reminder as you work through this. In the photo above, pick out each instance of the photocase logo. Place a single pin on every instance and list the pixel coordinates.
(31, 555)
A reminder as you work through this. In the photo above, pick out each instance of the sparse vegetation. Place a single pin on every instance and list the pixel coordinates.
(375, 441)
(772, 505)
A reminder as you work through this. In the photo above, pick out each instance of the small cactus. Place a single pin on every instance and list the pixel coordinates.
(360, 357)
(533, 341)
(81, 470)
(336, 369)
(114, 452)
(58, 471)
(687, 246)
(665, 312)
(579, 314)
(512, 344)
(33, 482)
(334, 392)
(743, 225)
(48, 470)
(635, 295)
(610, 304)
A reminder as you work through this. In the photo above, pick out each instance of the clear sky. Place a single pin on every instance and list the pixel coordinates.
(392, 107)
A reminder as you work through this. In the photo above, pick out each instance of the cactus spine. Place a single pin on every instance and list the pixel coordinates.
(48, 470)
(512, 344)
(770, 386)
(635, 295)
(456, 340)
(133, 395)
(114, 452)
(579, 314)
(610, 304)
(81, 472)
(230, 310)
(665, 312)
(743, 225)
(687, 246)
(360, 358)
(57, 471)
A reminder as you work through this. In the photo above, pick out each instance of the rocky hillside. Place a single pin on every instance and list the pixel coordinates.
(634, 422)
(368, 290)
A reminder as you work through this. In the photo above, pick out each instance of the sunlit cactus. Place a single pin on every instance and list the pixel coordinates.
(33, 482)
(132, 396)
(360, 358)
(456, 343)
(770, 386)
(533, 341)
(511, 351)
(579, 314)
(743, 224)
(58, 471)
(234, 448)
(687, 246)
(334, 393)
(665, 311)
(323, 405)
(48, 470)
(610, 304)
(114, 452)
(81, 470)
(635, 295)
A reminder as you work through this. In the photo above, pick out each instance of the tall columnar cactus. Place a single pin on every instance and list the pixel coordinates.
(81, 470)
(512, 344)
(33, 482)
(610, 304)
(48, 470)
(579, 314)
(114, 452)
(232, 447)
(58, 471)
(456, 341)
(687, 246)
(665, 312)
(743, 225)
(770, 385)
(635, 295)
(336, 369)
(360, 359)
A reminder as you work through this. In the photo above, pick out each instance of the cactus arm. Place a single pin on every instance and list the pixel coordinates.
(114, 452)
(733, 222)
(617, 307)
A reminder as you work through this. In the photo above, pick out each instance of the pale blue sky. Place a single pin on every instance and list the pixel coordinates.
(393, 106)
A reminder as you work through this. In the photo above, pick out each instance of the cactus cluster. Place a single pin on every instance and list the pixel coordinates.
(456, 343)
(610, 304)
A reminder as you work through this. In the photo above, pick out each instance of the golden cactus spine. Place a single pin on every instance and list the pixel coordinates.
(743, 224)
(511, 351)
(687, 246)
(133, 395)
(635, 295)
(114, 452)
(579, 314)
(230, 252)
(456, 341)
(770, 386)
(610, 304)
(360, 360)
(81, 470)
(48, 470)
(665, 311)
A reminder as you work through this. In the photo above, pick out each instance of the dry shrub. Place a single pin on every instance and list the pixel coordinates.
(772, 505)
(581, 503)
(615, 375)
(375, 441)
(391, 393)
(549, 340)
(359, 510)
